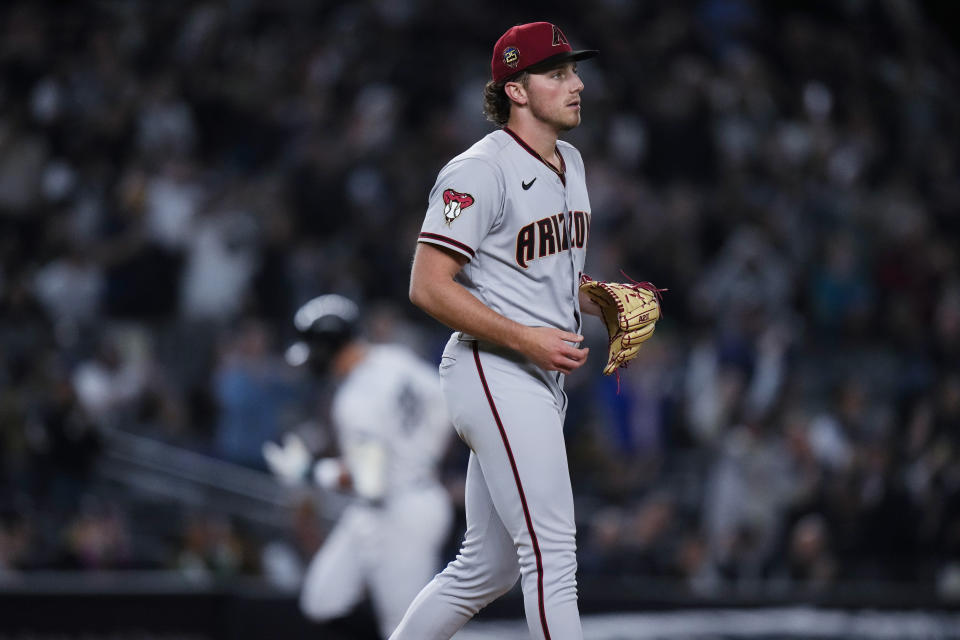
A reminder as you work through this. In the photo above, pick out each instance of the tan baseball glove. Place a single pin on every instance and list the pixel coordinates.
(630, 311)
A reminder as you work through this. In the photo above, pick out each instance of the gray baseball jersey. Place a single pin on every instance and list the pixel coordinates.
(523, 226)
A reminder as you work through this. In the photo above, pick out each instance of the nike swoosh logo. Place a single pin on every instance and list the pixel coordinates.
(527, 185)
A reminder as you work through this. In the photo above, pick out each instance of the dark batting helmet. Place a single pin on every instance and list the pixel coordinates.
(325, 324)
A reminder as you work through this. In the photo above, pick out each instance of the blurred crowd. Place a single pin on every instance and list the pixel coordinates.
(177, 177)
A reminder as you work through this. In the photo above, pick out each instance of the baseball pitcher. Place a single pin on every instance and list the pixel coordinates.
(500, 260)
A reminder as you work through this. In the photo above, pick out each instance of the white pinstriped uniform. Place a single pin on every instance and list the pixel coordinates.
(391, 398)
(524, 227)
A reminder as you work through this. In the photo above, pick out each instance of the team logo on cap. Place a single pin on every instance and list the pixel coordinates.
(559, 38)
(511, 57)
(454, 203)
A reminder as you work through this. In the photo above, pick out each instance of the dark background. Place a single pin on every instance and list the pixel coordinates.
(177, 177)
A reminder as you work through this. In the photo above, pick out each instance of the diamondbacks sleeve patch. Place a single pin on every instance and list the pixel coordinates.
(454, 203)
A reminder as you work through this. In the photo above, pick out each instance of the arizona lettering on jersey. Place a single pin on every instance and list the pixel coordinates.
(540, 238)
(522, 225)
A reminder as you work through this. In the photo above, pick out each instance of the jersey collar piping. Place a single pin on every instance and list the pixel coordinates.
(563, 165)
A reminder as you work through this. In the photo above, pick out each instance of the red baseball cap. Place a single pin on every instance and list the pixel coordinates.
(529, 45)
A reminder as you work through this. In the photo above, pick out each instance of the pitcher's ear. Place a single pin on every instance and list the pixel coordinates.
(516, 92)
